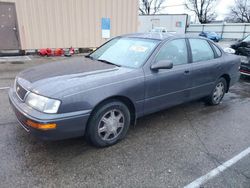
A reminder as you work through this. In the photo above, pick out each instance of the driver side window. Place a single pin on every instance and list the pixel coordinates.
(175, 51)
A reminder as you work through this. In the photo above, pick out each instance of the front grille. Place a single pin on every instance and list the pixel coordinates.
(20, 117)
(21, 92)
(245, 68)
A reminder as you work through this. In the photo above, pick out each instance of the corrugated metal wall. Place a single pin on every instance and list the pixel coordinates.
(77, 23)
(226, 30)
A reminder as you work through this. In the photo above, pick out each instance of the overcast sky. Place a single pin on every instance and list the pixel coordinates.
(177, 7)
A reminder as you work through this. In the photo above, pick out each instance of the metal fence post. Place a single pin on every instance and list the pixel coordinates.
(222, 30)
(244, 31)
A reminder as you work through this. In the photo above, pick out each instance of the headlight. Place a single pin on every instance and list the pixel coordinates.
(42, 103)
(245, 59)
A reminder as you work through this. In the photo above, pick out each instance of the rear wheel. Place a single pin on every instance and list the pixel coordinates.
(218, 92)
(108, 124)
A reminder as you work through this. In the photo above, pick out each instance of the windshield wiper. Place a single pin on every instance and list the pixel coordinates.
(108, 62)
(90, 57)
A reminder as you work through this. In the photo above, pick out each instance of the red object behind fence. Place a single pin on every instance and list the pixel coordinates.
(44, 52)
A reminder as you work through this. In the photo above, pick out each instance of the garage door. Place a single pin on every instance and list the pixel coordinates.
(8, 27)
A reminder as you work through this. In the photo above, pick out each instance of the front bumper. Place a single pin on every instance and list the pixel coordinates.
(69, 125)
(245, 69)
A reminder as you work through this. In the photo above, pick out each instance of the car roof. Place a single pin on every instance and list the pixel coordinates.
(149, 35)
(159, 36)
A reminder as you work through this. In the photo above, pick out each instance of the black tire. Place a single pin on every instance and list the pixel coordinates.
(211, 99)
(92, 133)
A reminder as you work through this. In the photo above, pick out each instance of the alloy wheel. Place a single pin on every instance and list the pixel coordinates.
(218, 92)
(111, 125)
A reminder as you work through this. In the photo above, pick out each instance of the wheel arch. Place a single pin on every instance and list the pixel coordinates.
(228, 79)
(127, 101)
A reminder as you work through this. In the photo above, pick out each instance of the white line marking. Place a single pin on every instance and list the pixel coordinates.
(203, 179)
(15, 58)
(2, 88)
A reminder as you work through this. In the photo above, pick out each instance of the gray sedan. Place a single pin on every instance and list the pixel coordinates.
(128, 77)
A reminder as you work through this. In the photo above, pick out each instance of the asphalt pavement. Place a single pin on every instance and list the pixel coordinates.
(171, 148)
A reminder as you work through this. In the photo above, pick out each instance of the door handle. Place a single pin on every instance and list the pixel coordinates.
(186, 72)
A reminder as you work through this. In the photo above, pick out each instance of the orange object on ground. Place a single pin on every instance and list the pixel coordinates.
(58, 52)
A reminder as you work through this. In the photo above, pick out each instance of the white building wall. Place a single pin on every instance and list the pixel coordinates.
(172, 22)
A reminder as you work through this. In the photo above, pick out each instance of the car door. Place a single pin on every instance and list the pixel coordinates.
(168, 87)
(206, 67)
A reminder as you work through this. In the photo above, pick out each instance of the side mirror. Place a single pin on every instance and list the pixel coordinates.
(163, 64)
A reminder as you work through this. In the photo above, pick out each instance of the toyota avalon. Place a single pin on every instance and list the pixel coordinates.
(102, 94)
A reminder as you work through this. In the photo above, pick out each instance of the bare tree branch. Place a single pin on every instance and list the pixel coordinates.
(151, 6)
(240, 12)
(203, 9)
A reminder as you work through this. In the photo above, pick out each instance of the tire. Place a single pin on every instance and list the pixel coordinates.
(217, 93)
(108, 124)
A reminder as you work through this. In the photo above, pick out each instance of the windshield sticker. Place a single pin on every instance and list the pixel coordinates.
(138, 48)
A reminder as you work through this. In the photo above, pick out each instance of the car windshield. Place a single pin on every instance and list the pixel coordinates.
(128, 52)
(247, 39)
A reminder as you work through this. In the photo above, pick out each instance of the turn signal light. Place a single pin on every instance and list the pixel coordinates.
(41, 126)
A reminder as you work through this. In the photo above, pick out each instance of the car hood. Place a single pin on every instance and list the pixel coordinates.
(57, 79)
(63, 68)
(236, 45)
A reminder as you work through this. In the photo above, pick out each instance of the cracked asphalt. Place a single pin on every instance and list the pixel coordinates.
(170, 148)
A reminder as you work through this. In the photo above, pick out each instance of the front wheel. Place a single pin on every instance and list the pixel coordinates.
(108, 124)
(218, 92)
